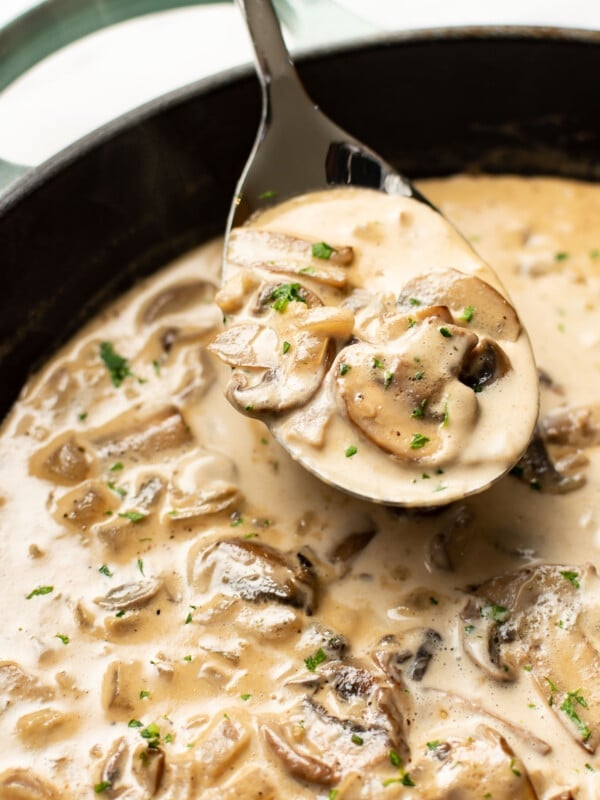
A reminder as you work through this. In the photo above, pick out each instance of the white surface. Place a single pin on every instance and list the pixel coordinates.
(96, 79)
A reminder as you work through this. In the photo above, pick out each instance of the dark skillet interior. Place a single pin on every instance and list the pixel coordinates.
(132, 196)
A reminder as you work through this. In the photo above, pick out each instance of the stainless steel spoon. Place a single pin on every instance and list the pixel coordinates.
(299, 150)
(324, 154)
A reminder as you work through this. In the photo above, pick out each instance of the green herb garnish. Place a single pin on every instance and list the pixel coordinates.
(322, 250)
(40, 590)
(64, 639)
(144, 694)
(572, 577)
(117, 365)
(246, 696)
(350, 451)
(414, 301)
(132, 516)
(569, 707)
(468, 314)
(116, 467)
(312, 662)
(418, 441)
(267, 195)
(286, 347)
(446, 333)
(284, 294)
(356, 739)
(134, 723)
(495, 612)
(344, 369)
(102, 786)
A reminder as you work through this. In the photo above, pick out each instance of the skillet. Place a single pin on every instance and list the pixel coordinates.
(126, 199)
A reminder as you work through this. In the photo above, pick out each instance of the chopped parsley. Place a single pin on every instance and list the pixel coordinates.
(114, 488)
(569, 707)
(345, 369)
(418, 441)
(322, 250)
(411, 322)
(377, 364)
(156, 367)
(595, 253)
(133, 516)
(419, 376)
(418, 412)
(286, 347)
(188, 619)
(102, 786)
(246, 696)
(446, 421)
(168, 738)
(268, 195)
(350, 451)
(117, 365)
(307, 271)
(414, 301)
(395, 759)
(40, 590)
(64, 639)
(356, 739)
(333, 793)
(284, 294)
(469, 629)
(116, 467)
(562, 256)
(495, 612)
(140, 565)
(144, 694)
(134, 723)
(468, 314)
(152, 735)
(236, 519)
(589, 766)
(514, 769)
(120, 613)
(387, 378)
(312, 662)
(572, 577)
(83, 416)
(446, 333)
(433, 745)
(187, 658)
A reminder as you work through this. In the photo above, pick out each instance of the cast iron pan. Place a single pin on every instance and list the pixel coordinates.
(130, 197)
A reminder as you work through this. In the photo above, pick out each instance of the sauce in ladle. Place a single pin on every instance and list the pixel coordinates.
(380, 349)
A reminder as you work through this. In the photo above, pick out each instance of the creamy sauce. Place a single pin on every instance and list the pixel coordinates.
(162, 638)
(389, 357)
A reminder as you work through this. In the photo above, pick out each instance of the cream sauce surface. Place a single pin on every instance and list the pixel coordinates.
(187, 613)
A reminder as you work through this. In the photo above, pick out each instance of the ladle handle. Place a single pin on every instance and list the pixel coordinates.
(274, 63)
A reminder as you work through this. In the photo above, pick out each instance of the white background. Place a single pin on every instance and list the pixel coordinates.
(109, 72)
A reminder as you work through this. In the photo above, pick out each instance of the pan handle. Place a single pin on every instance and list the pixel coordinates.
(52, 24)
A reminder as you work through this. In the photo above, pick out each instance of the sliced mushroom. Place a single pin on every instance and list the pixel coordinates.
(120, 687)
(114, 769)
(16, 684)
(148, 768)
(537, 618)
(485, 364)
(221, 745)
(65, 461)
(253, 248)
(325, 747)
(255, 572)
(446, 546)
(351, 546)
(403, 399)
(490, 312)
(23, 784)
(410, 656)
(537, 470)
(130, 595)
(37, 727)
(175, 298)
(472, 768)
(85, 506)
(152, 436)
(578, 426)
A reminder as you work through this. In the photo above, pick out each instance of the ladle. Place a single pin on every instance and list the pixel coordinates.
(297, 150)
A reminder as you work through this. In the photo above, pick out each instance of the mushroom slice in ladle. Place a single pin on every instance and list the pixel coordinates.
(402, 398)
(470, 299)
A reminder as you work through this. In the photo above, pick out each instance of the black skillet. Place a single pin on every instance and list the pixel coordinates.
(125, 200)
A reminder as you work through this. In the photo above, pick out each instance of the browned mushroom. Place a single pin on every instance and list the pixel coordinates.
(470, 299)
(482, 765)
(403, 399)
(23, 784)
(536, 469)
(538, 618)
(65, 461)
(253, 248)
(253, 571)
(578, 426)
(176, 298)
(150, 436)
(130, 595)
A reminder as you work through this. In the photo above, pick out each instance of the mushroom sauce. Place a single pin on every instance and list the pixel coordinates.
(393, 349)
(187, 613)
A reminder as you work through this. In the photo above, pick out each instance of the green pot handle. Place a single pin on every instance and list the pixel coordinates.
(53, 24)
